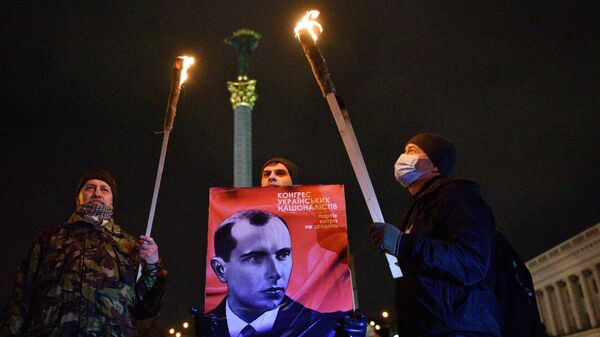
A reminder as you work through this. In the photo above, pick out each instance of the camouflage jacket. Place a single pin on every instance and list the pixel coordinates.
(79, 280)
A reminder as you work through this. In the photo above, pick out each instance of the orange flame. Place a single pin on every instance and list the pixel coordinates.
(308, 22)
(187, 62)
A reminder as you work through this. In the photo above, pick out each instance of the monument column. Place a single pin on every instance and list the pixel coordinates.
(243, 97)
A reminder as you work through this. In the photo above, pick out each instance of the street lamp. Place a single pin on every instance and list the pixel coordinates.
(385, 314)
(171, 331)
(185, 325)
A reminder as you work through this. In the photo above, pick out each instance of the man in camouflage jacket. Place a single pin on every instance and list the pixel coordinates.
(79, 278)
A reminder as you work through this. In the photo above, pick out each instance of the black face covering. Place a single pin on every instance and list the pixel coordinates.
(94, 214)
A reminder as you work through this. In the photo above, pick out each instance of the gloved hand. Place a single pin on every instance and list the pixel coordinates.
(353, 325)
(203, 324)
(386, 236)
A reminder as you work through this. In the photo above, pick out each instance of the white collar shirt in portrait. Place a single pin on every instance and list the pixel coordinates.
(263, 324)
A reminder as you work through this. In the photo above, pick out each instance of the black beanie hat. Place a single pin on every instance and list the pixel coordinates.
(441, 151)
(100, 175)
(293, 169)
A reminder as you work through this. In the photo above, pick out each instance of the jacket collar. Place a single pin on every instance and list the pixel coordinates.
(430, 186)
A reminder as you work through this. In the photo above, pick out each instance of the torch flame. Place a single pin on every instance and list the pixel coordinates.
(308, 22)
(187, 62)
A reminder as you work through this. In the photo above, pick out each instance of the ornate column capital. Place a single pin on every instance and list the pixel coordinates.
(243, 92)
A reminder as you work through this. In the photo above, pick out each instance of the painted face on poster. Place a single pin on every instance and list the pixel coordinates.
(257, 269)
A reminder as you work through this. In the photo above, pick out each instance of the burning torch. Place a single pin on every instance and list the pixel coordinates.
(307, 31)
(182, 63)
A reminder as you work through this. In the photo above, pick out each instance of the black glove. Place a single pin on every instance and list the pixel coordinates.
(386, 236)
(352, 325)
(203, 324)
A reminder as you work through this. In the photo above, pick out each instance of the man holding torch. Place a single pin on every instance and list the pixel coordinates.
(445, 243)
(444, 247)
(79, 278)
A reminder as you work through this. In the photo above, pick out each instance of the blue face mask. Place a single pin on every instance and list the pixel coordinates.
(405, 170)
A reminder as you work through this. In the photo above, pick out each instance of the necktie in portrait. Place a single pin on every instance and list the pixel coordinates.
(248, 331)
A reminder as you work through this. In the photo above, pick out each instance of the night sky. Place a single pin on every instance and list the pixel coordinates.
(515, 86)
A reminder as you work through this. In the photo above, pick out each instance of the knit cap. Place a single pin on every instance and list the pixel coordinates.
(441, 151)
(293, 169)
(100, 175)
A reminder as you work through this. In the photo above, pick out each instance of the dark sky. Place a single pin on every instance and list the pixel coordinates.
(515, 86)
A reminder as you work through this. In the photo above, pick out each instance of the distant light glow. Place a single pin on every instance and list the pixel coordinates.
(185, 325)
(377, 327)
(385, 314)
(372, 323)
(178, 334)
(171, 331)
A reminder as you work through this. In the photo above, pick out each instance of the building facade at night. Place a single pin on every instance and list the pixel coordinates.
(567, 282)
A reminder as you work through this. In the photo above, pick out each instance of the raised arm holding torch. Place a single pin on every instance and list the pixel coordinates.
(307, 32)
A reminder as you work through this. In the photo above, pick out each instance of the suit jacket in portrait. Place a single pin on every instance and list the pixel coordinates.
(293, 320)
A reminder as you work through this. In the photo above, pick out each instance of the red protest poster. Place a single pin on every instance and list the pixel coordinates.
(277, 259)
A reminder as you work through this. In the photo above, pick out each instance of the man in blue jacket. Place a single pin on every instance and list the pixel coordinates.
(444, 247)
